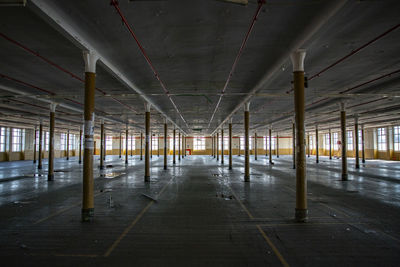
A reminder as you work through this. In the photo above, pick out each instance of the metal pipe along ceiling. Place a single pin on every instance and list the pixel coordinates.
(124, 20)
(253, 21)
(58, 67)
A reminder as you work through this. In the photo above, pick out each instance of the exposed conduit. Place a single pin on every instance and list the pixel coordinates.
(124, 20)
(58, 67)
(253, 21)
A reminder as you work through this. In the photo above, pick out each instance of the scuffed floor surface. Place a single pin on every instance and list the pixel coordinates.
(198, 213)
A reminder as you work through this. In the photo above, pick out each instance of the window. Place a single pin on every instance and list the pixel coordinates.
(63, 141)
(72, 142)
(266, 143)
(226, 143)
(359, 140)
(16, 140)
(154, 143)
(199, 143)
(3, 138)
(396, 132)
(171, 143)
(381, 139)
(335, 139)
(311, 138)
(108, 141)
(327, 141)
(349, 140)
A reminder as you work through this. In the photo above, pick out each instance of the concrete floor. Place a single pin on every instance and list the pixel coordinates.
(204, 214)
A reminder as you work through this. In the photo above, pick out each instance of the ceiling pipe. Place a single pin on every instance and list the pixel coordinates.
(59, 20)
(242, 46)
(313, 27)
(58, 67)
(124, 20)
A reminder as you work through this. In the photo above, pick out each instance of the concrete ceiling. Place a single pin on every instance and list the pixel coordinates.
(192, 45)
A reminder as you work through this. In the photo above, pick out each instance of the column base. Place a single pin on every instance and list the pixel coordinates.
(301, 215)
(87, 215)
(357, 166)
(50, 177)
(363, 161)
(247, 178)
(165, 167)
(147, 178)
(317, 161)
(344, 177)
(277, 156)
(230, 167)
(67, 158)
(39, 167)
(101, 167)
(80, 162)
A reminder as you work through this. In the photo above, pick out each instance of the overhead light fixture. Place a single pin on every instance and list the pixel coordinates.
(239, 2)
(12, 3)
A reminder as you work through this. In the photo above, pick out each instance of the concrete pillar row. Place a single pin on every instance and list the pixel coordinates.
(230, 144)
(50, 171)
(126, 144)
(362, 144)
(80, 145)
(68, 143)
(222, 145)
(101, 144)
(294, 143)
(270, 145)
(40, 143)
(330, 144)
(277, 145)
(120, 144)
(179, 146)
(255, 146)
(316, 144)
(217, 146)
(246, 142)
(141, 146)
(356, 141)
(165, 144)
(34, 145)
(301, 210)
(147, 144)
(173, 141)
(344, 141)
(90, 59)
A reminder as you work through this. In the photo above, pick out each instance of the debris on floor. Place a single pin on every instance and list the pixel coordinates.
(150, 197)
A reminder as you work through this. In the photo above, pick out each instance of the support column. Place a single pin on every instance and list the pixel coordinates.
(151, 145)
(362, 144)
(88, 185)
(50, 173)
(246, 142)
(165, 144)
(105, 145)
(301, 211)
(173, 152)
(344, 141)
(222, 145)
(34, 145)
(80, 145)
(120, 144)
(141, 146)
(255, 146)
(308, 144)
(330, 144)
(239, 146)
(184, 146)
(68, 144)
(294, 144)
(158, 145)
(277, 145)
(40, 143)
(356, 137)
(132, 140)
(101, 144)
(230, 144)
(316, 144)
(217, 146)
(270, 146)
(212, 146)
(126, 144)
(179, 146)
(147, 141)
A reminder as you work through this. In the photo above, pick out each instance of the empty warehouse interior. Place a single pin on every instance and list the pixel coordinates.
(199, 133)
